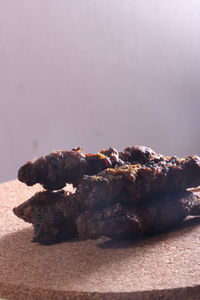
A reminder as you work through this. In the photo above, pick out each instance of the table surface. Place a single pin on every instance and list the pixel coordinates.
(166, 266)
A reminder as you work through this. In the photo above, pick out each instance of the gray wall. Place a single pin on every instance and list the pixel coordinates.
(95, 73)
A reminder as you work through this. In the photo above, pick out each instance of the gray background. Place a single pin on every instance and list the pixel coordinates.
(95, 73)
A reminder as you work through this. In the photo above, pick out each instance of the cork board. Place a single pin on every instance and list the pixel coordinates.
(166, 266)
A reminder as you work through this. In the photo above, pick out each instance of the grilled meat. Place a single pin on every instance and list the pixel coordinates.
(53, 171)
(153, 216)
(52, 214)
(119, 194)
(139, 154)
(131, 184)
(59, 216)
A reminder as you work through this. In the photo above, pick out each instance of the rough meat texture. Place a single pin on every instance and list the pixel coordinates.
(119, 194)
(134, 183)
(139, 154)
(59, 216)
(153, 216)
(53, 171)
(114, 156)
(53, 215)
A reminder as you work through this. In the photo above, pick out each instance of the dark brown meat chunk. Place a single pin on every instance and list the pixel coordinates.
(59, 216)
(139, 154)
(53, 171)
(119, 194)
(52, 214)
(114, 156)
(153, 216)
(133, 183)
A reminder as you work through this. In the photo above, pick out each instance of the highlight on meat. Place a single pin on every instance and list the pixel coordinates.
(119, 195)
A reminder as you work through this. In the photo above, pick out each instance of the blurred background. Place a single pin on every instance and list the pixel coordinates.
(98, 73)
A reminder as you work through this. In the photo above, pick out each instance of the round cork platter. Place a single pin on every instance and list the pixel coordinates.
(166, 266)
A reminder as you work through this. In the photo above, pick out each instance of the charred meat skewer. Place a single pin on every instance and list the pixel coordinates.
(58, 216)
(119, 194)
(56, 169)
(53, 171)
(52, 214)
(153, 216)
(130, 184)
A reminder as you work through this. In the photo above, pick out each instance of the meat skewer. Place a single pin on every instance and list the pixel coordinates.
(119, 194)
(150, 217)
(56, 169)
(58, 216)
(130, 184)
(53, 171)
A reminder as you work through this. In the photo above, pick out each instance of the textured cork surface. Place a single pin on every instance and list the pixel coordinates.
(162, 267)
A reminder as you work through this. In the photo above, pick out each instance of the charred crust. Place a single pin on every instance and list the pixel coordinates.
(119, 194)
